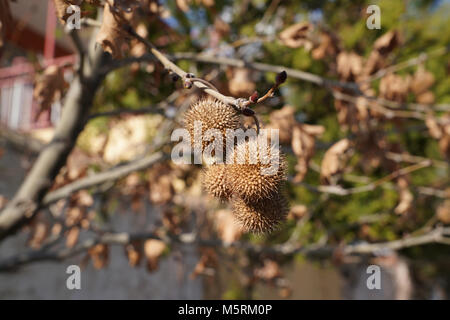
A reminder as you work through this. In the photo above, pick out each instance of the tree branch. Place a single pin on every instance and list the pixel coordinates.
(302, 75)
(100, 178)
(314, 251)
(408, 63)
(169, 65)
(338, 190)
(20, 141)
(293, 73)
(78, 101)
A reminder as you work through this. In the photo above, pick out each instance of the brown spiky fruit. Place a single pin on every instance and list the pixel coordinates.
(212, 114)
(257, 171)
(214, 181)
(263, 216)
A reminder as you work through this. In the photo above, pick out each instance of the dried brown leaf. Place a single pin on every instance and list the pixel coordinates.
(240, 83)
(39, 233)
(349, 65)
(381, 49)
(72, 237)
(426, 97)
(183, 5)
(138, 48)
(297, 212)
(394, 87)
(99, 255)
(334, 161)
(433, 126)
(405, 197)
(133, 251)
(269, 271)
(153, 249)
(77, 164)
(303, 146)
(226, 227)
(171, 221)
(421, 81)
(208, 260)
(297, 36)
(112, 35)
(374, 63)
(84, 198)
(443, 212)
(387, 42)
(74, 215)
(160, 184)
(328, 46)
(49, 87)
(284, 121)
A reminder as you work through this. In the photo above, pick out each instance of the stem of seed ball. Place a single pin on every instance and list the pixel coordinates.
(256, 123)
(205, 82)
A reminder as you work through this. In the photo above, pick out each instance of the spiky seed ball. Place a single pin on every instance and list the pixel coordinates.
(256, 173)
(214, 181)
(263, 216)
(212, 114)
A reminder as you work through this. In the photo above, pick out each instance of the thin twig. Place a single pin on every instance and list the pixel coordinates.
(239, 104)
(338, 190)
(408, 63)
(169, 65)
(315, 251)
(293, 73)
(305, 76)
(404, 157)
(389, 113)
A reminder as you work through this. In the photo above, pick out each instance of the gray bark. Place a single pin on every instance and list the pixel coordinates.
(53, 156)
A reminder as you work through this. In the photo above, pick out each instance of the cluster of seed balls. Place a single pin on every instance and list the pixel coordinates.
(259, 205)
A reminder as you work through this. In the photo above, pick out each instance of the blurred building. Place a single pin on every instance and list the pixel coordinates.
(34, 36)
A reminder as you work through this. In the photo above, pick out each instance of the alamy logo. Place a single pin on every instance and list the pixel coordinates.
(373, 21)
(73, 17)
(374, 280)
(239, 146)
(74, 280)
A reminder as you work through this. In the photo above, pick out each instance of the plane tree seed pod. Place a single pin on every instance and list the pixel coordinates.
(256, 172)
(211, 114)
(214, 181)
(262, 216)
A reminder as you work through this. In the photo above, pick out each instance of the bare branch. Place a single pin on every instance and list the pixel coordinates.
(399, 157)
(305, 76)
(100, 178)
(169, 65)
(437, 235)
(20, 141)
(314, 251)
(408, 63)
(293, 73)
(389, 113)
(338, 190)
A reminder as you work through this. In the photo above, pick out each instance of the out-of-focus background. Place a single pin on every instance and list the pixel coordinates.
(364, 120)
